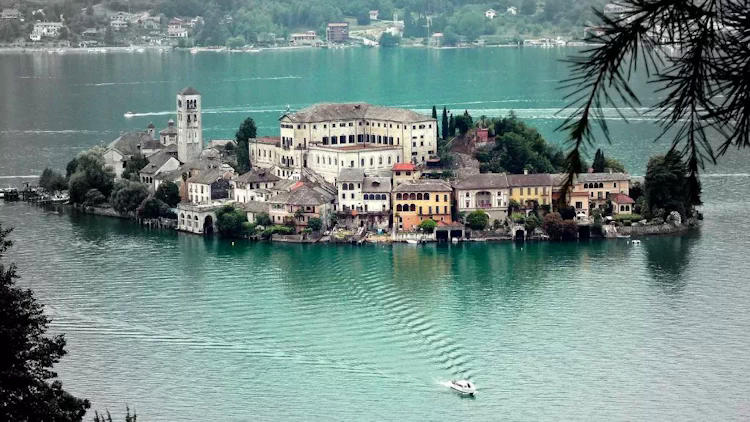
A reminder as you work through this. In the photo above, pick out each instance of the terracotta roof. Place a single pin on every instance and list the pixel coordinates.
(404, 167)
(424, 186)
(355, 111)
(621, 198)
(483, 181)
(377, 184)
(267, 140)
(536, 179)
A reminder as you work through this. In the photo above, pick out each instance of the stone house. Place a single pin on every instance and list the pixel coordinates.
(161, 162)
(254, 185)
(303, 202)
(414, 202)
(208, 186)
(488, 192)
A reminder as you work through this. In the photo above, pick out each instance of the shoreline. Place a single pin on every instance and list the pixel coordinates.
(634, 232)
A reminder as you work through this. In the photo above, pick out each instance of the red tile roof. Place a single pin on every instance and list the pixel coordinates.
(404, 167)
(621, 198)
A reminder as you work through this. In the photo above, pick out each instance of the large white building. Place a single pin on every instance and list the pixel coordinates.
(326, 138)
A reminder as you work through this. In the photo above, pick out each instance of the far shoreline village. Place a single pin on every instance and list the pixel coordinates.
(346, 173)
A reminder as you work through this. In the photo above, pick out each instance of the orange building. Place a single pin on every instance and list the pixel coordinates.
(416, 201)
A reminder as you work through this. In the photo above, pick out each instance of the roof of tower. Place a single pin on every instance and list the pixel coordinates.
(189, 91)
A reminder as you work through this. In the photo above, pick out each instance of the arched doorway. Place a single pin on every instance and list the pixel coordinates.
(208, 225)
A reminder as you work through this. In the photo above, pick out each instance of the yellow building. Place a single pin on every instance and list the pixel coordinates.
(528, 188)
(414, 202)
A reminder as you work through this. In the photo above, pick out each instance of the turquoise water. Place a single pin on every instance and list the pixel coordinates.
(187, 328)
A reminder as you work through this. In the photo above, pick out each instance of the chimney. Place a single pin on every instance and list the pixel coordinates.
(525, 171)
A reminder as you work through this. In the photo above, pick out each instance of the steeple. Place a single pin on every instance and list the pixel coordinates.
(189, 125)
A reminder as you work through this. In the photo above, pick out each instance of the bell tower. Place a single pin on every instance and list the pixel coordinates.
(189, 125)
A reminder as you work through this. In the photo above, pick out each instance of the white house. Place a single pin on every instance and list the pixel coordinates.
(488, 192)
(490, 14)
(254, 185)
(374, 15)
(511, 11)
(176, 29)
(161, 162)
(45, 30)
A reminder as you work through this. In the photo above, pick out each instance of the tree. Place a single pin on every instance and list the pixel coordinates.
(388, 40)
(94, 198)
(553, 225)
(89, 172)
(28, 355)
(428, 226)
(52, 181)
(478, 220)
(152, 207)
(133, 167)
(263, 219)
(451, 126)
(434, 112)
(229, 221)
(667, 185)
(109, 36)
(315, 224)
(169, 193)
(127, 196)
(363, 17)
(246, 132)
(599, 162)
(236, 42)
(444, 125)
(528, 7)
(703, 88)
(463, 124)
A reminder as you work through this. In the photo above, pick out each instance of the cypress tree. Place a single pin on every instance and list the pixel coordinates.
(434, 112)
(444, 125)
(599, 162)
(451, 126)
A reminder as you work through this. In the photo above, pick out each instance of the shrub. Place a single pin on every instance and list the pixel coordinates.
(263, 219)
(52, 181)
(152, 207)
(478, 220)
(628, 217)
(518, 217)
(93, 198)
(315, 224)
(229, 221)
(532, 222)
(567, 213)
(553, 225)
(277, 229)
(569, 230)
(428, 225)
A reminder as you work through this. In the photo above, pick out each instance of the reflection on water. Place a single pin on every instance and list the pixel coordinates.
(668, 257)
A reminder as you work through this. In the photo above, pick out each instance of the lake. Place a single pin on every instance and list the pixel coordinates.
(186, 328)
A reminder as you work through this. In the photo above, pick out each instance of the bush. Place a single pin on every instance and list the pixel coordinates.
(478, 220)
(553, 225)
(628, 217)
(229, 221)
(567, 213)
(496, 224)
(428, 225)
(93, 198)
(152, 207)
(277, 229)
(263, 219)
(532, 222)
(249, 228)
(315, 224)
(569, 230)
(518, 217)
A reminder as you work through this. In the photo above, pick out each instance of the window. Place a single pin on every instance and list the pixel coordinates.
(427, 196)
(445, 198)
(429, 210)
(398, 207)
(528, 191)
(615, 184)
(398, 196)
(419, 196)
(536, 191)
(420, 210)
(445, 209)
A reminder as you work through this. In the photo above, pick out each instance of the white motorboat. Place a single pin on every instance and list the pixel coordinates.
(463, 387)
(129, 114)
(412, 241)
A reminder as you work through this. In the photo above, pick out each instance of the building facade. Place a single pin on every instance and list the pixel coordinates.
(414, 202)
(337, 32)
(488, 192)
(527, 189)
(327, 138)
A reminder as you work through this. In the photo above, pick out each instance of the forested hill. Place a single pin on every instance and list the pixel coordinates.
(462, 18)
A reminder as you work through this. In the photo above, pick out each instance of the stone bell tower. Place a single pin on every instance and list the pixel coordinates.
(189, 125)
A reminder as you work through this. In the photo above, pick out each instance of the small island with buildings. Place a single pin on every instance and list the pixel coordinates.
(361, 173)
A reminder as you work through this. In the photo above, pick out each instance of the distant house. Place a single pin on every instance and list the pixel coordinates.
(374, 15)
(622, 204)
(123, 149)
(304, 38)
(404, 172)
(437, 39)
(254, 185)
(120, 21)
(45, 30)
(490, 14)
(151, 22)
(511, 11)
(304, 201)
(90, 33)
(208, 185)
(337, 32)
(176, 29)
(10, 14)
